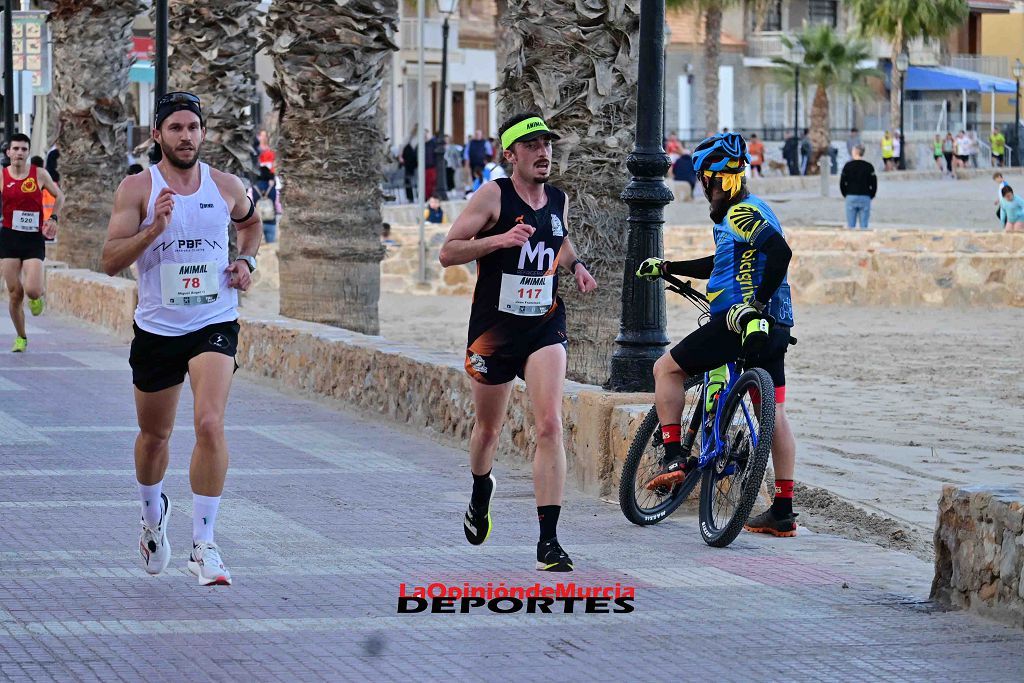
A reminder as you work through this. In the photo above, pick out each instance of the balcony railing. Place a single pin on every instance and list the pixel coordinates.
(409, 34)
(766, 44)
(992, 65)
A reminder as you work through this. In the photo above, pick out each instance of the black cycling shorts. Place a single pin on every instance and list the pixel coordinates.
(159, 362)
(497, 354)
(22, 245)
(714, 345)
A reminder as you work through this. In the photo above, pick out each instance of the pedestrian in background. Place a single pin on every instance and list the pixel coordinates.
(858, 183)
(937, 153)
(1011, 211)
(683, 173)
(756, 150)
(888, 151)
(264, 197)
(805, 150)
(948, 150)
(852, 141)
(790, 153)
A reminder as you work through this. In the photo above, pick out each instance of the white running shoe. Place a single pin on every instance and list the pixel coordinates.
(205, 563)
(153, 544)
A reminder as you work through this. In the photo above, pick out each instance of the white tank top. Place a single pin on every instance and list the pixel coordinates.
(183, 278)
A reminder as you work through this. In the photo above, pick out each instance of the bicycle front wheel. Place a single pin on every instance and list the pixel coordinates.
(645, 459)
(730, 483)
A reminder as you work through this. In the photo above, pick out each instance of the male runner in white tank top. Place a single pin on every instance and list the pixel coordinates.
(173, 223)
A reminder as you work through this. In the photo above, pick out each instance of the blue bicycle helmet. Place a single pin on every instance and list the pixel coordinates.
(724, 152)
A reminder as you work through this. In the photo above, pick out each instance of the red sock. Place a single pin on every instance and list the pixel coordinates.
(670, 437)
(783, 504)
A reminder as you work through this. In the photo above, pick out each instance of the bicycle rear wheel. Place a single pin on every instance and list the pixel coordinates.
(645, 459)
(730, 483)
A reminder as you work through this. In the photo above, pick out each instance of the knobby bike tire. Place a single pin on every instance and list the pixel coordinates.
(632, 508)
(713, 535)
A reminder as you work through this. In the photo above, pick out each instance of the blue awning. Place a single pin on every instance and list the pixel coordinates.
(948, 78)
(142, 72)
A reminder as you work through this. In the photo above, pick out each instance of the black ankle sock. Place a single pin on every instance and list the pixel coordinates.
(782, 507)
(547, 515)
(482, 487)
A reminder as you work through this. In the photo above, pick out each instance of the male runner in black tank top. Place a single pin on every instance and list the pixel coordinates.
(515, 228)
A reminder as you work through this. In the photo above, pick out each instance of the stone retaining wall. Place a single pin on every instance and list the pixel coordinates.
(979, 551)
(911, 267)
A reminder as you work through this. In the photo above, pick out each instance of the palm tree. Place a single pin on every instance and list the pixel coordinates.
(213, 54)
(330, 62)
(830, 61)
(92, 42)
(575, 64)
(901, 21)
(712, 11)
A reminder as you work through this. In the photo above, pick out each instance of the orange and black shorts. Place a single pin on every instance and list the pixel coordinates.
(497, 352)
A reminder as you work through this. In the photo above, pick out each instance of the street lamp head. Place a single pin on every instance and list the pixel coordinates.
(798, 52)
(902, 62)
(1018, 69)
(447, 6)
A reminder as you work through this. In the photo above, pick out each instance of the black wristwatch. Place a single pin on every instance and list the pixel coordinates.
(572, 268)
(53, 217)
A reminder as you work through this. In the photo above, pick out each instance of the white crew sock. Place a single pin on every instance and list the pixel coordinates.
(152, 506)
(204, 516)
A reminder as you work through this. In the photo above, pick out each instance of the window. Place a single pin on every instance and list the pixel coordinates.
(774, 106)
(823, 12)
(769, 12)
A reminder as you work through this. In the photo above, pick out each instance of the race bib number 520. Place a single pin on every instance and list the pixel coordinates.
(526, 294)
(25, 221)
(189, 284)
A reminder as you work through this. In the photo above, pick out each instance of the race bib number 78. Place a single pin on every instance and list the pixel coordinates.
(189, 284)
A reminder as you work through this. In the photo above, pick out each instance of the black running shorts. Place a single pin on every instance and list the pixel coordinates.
(22, 245)
(714, 345)
(498, 354)
(160, 362)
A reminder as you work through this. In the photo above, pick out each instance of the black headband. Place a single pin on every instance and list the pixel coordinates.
(177, 101)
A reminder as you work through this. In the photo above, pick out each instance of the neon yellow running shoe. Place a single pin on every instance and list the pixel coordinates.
(20, 344)
(36, 305)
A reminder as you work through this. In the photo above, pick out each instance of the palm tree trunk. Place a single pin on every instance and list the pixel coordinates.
(330, 60)
(712, 38)
(896, 78)
(575, 63)
(819, 129)
(214, 56)
(92, 42)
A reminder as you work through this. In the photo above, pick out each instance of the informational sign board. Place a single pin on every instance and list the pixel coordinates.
(31, 43)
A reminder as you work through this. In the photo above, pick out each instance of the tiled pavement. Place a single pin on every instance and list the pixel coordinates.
(326, 513)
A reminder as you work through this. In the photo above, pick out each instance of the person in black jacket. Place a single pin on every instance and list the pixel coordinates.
(858, 183)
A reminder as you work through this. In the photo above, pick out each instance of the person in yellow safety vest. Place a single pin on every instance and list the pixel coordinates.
(998, 143)
(888, 152)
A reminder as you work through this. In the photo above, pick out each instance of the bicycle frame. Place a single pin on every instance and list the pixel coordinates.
(711, 445)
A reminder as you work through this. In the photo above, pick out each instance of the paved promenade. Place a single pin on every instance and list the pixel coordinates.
(326, 513)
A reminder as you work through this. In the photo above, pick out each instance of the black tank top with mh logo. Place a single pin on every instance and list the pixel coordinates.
(508, 278)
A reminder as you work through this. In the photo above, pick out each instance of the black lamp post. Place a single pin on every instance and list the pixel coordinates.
(447, 8)
(902, 64)
(8, 71)
(160, 89)
(1018, 71)
(642, 336)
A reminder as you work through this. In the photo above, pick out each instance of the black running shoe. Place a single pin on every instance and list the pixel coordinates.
(551, 557)
(767, 523)
(477, 523)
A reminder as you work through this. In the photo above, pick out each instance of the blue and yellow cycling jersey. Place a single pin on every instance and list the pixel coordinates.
(739, 264)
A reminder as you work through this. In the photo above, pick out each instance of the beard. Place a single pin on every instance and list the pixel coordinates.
(177, 161)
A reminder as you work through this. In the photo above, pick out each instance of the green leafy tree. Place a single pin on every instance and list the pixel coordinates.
(901, 21)
(832, 62)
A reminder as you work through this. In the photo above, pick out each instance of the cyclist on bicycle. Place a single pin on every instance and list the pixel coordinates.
(747, 279)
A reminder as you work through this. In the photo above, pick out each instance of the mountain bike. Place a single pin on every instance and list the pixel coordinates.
(730, 442)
